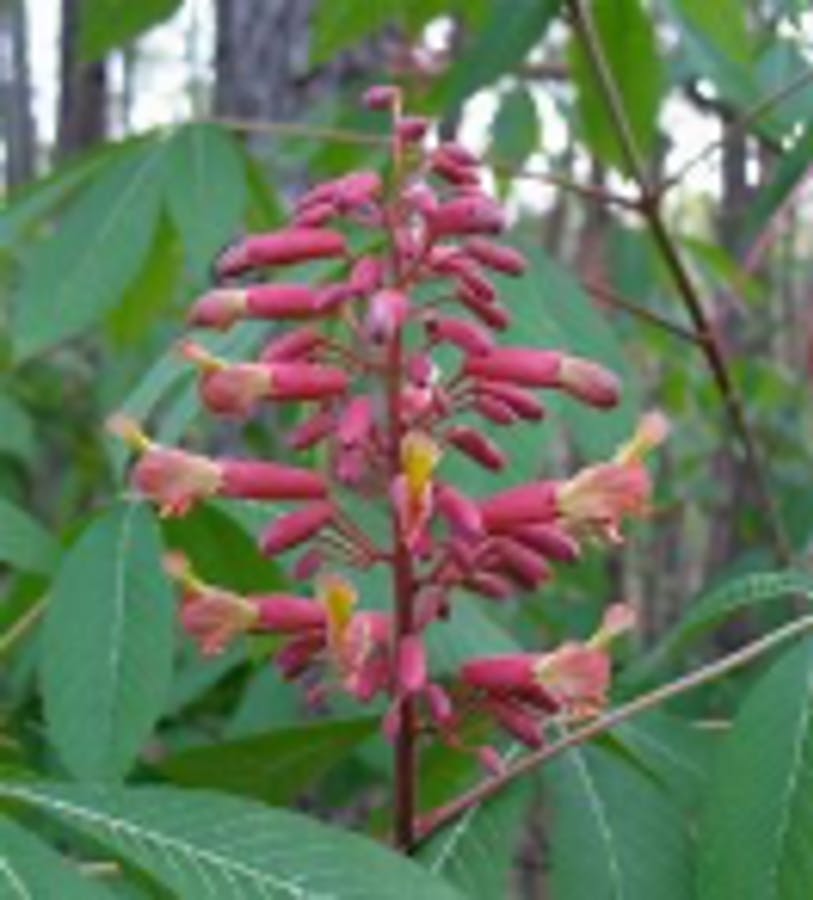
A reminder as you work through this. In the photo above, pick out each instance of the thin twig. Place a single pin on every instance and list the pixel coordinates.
(650, 208)
(21, 627)
(739, 658)
(743, 123)
(606, 294)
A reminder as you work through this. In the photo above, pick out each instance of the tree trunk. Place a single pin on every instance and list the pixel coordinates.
(82, 114)
(18, 121)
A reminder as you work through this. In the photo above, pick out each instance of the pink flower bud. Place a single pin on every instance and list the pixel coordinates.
(496, 256)
(440, 706)
(511, 676)
(312, 431)
(521, 402)
(333, 296)
(293, 346)
(306, 381)
(315, 215)
(489, 313)
(284, 614)
(420, 198)
(356, 422)
(298, 654)
(443, 165)
(357, 189)
(477, 283)
(518, 723)
(476, 214)
(387, 314)
(494, 410)
(490, 760)
(519, 365)
(281, 301)
(548, 540)
(235, 390)
(381, 96)
(459, 154)
(255, 480)
(412, 129)
(521, 564)
(467, 336)
(280, 248)
(490, 585)
(294, 528)
(366, 275)
(589, 382)
(477, 447)
(307, 567)
(219, 309)
(461, 512)
(527, 503)
(411, 665)
(421, 370)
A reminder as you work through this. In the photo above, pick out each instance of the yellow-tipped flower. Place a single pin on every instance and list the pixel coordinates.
(420, 456)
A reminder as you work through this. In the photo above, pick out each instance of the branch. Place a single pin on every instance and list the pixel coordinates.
(481, 792)
(649, 206)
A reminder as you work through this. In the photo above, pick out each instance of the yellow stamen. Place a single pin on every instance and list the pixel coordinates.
(201, 357)
(129, 431)
(180, 570)
(420, 456)
(652, 430)
(339, 597)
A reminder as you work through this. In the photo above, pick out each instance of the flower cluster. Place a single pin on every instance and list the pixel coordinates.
(361, 351)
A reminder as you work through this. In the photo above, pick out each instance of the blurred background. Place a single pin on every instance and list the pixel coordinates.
(138, 138)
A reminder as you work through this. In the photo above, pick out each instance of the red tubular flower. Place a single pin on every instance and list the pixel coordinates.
(387, 314)
(312, 431)
(519, 365)
(521, 564)
(461, 512)
(476, 214)
(295, 528)
(280, 248)
(490, 585)
(521, 402)
(477, 447)
(467, 336)
(411, 665)
(254, 480)
(442, 164)
(382, 96)
(550, 541)
(366, 275)
(281, 301)
(356, 422)
(527, 503)
(494, 410)
(496, 256)
(293, 346)
(522, 725)
(412, 129)
(315, 215)
(491, 314)
(285, 614)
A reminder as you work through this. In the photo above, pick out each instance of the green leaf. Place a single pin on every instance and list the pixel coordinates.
(616, 835)
(107, 644)
(515, 132)
(206, 189)
(337, 26)
(24, 543)
(75, 277)
(201, 844)
(16, 430)
(31, 870)
(723, 23)
(629, 43)
(107, 24)
(757, 835)
(476, 852)
(152, 292)
(715, 605)
(501, 45)
(276, 766)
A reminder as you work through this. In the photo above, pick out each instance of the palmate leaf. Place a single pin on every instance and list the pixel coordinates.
(757, 834)
(616, 835)
(107, 644)
(31, 870)
(202, 844)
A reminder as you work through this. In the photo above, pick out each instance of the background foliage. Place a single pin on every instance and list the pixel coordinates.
(132, 768)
